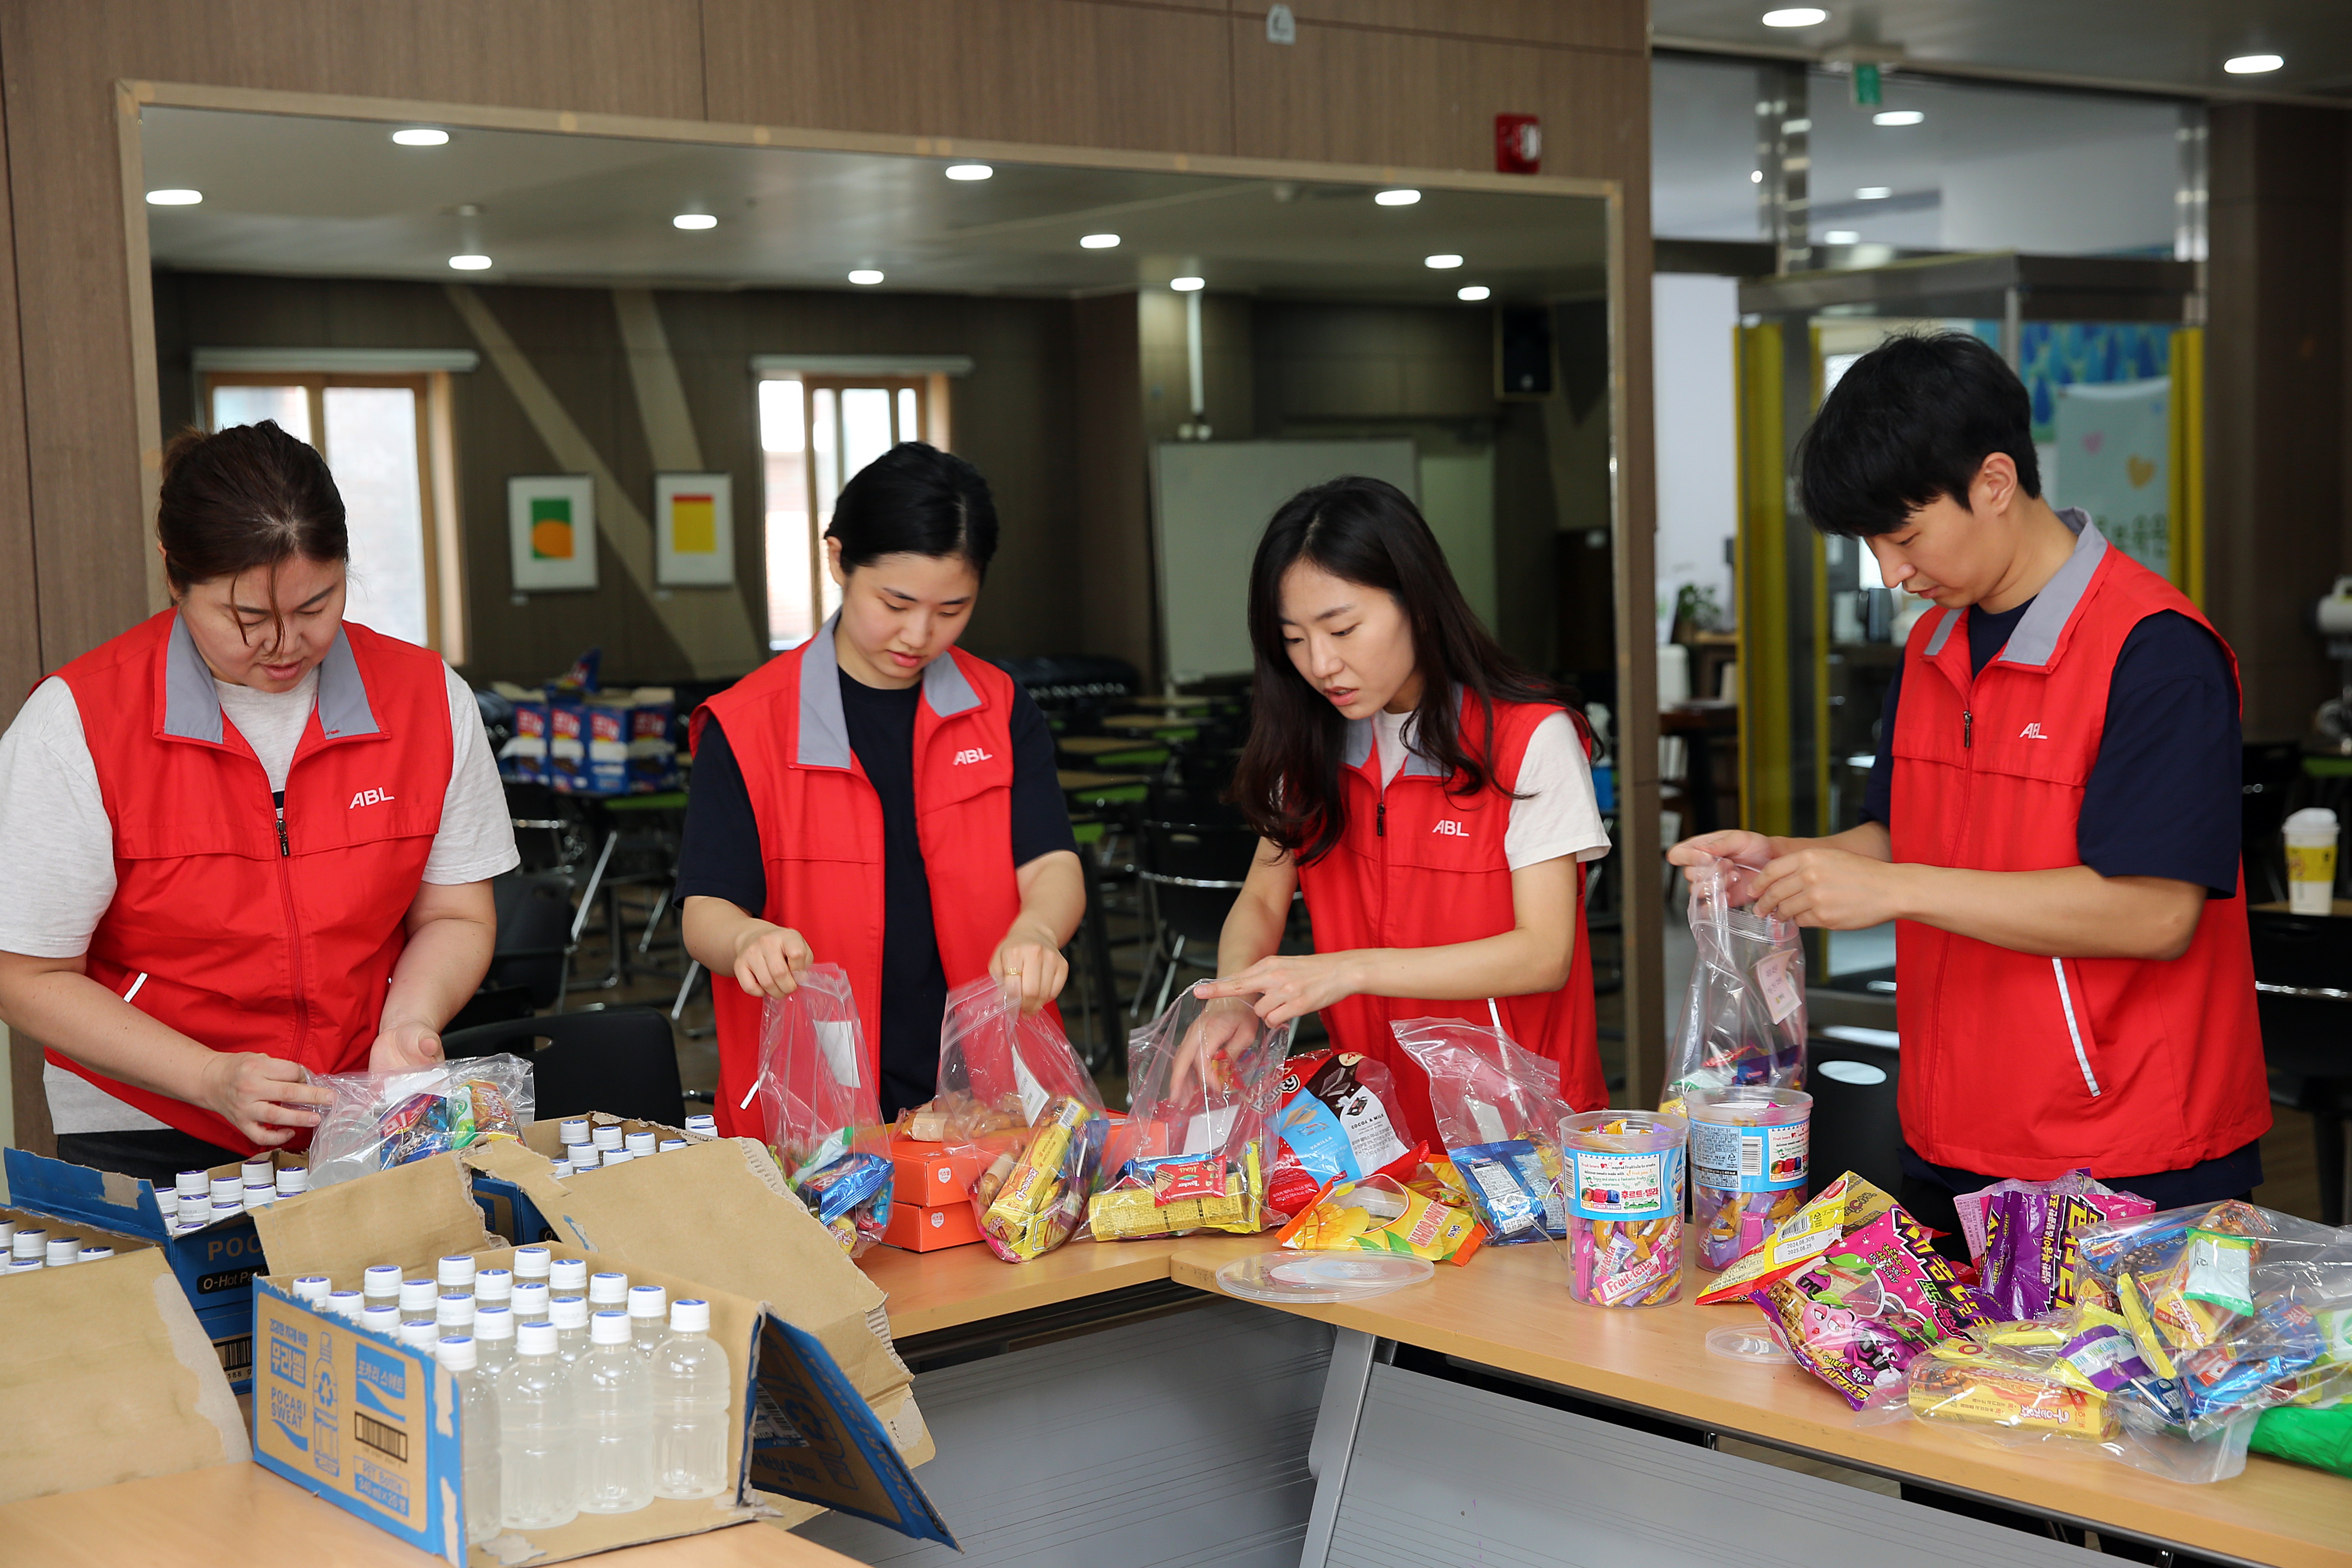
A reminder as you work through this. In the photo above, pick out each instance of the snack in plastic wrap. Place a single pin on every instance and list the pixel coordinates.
(379, 1120)
(1498, 1110)
(2026, 1238)
(1031, 1200)
(1744, 1019)
(823, 1108)
(998, 1069)
(1862, 1311)
(2112, 1206)
(1338, 1120)
(1899, 1253)
(1623, 1186)
(1197, 1146)
(1379, 1214)
(1749, 1147)
(1847, 1204)
(1943, 1390)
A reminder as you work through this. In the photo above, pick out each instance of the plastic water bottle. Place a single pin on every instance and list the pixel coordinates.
(530, 1300)
(608, 1292)
(345, 1304)
(419, 1333)
(261, 1171)
(61, 1251)
(567, 1315)
(167, 1203)
(227, 1193)
(312, 1290)
(568, 1276)
(477, 1431)
(648, 1316)
(532, 1263)
(538, 1475)
(293, 1182)
(494, 1287)
(381, 1284)
(706, 1125)
(454, 1314)
(382, 1317)
(455, 1275)
(616, 1455)
(667, 1144)
(195, 1189)
(639, 1142)
(573, 1130)
(494, 1337)
(607, 1137)
(417, 1296)
(695, 1413)
(28, 1245)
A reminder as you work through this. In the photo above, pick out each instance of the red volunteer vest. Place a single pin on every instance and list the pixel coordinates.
(235, 935)
(2028, 1067)
(821, 833)
(1418, 866)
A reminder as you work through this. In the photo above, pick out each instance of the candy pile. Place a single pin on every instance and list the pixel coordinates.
(1379, 1214)
(1622, 1184)
(378, 1120)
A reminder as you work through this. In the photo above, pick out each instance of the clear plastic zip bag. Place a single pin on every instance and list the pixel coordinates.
(1498, 1109)
(1743, 1021)
(380, 1119)
(822, 1106)
(1011, 1088)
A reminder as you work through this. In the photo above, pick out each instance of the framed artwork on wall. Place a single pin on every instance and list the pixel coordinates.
(551, 531)
(694, 531)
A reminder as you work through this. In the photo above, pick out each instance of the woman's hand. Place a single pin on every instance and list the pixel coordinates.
(266, 1099)
(1222, 1027)
(1030, 960)
(1729, 844)
(770, 959)
(1289, 986)
(404, 1046)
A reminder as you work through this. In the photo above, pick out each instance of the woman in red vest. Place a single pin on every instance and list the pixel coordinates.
(879, 799)
(247, 838)
(1432, 799)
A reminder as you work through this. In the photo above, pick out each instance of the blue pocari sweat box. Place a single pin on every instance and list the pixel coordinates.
(373, 1427)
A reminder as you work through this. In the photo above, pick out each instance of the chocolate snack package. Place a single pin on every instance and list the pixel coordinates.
(1338, 1120)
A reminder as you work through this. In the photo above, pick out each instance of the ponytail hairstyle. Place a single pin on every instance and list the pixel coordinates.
(915, 499)
(245, 499)
(1368, 533)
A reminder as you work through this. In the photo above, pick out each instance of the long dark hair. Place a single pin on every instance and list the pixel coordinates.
(915, 499)
(247, 498)
(1365, 532)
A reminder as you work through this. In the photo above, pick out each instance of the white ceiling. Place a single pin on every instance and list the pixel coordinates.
(332, 197)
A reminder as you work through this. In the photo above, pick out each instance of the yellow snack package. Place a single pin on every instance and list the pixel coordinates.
(1381, 1215)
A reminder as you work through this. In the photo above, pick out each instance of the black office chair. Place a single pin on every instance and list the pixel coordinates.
(534, 942)
(491, 1004)
(1855, 1126)
(618, 1059)
(2302, 990)
(1189, 873)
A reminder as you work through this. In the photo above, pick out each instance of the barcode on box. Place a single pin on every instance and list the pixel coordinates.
(381, 1435)
(236, 1355)
(1751, 1158)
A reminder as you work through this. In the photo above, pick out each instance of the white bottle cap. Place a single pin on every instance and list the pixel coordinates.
(27, 1244)
(494, 1285)
(570, 1274)
(608, 1136)
(617, 1156)
(7, 1233)
(416, 1297)
(457, 1271)
(260, 1171)
(639, 1143)
(454, 1311)
(24, 1266)
(608, 1289)
(706, 1125)
(293, 1182)
(193, 1183)
(494, 1323)
(256, 1197)
(530, 1297)
(312, 1288)
(382, 1318)
(232, 1188)
(61, 1250)
(382, 1279)
(454, 1352)
(92, 1254)
(419, 1331)
(567, 1312)
(648, 1301)
(167, 1202)
(609, 1329)
(575, 1129)
(667, 1144)
(689, 1317)
(345, 1304)
(531, 1262)
(560, 1167)
(535, 1339)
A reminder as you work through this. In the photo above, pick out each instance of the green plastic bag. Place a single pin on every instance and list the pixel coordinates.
(2320, 1438)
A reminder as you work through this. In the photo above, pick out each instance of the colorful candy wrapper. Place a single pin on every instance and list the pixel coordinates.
(1744, 1018)
(850, 1197)
(1379, 1214)
(821, 1106)
(1338, 1120)
(2112, 1206)
(1032, 1198)
(1624, 1190)
(1842, 1328)
(1899, 1253)
(1748, 1148)
(378, 1120)
(1498, 1110)
(1847, 1204)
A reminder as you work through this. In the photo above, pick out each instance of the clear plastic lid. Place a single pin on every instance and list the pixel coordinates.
(648, 1301)
(609, 1329)
(1749, 1105)
(1309, 1276)
(689, 1317)
(1746, 1342)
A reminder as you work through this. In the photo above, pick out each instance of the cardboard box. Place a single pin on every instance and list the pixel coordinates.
(509, 1210)
(914, 1229)
(932, 1175)
(108, 1377)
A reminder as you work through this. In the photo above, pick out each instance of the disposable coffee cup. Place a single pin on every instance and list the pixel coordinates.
(2310, 836)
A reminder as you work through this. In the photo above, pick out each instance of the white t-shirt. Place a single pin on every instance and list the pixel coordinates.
(58, 843)
(1557, 815)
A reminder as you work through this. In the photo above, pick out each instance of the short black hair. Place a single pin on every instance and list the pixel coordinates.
(1910, 421)
(915, 499)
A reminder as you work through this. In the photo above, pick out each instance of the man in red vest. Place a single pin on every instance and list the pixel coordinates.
(2053, 818)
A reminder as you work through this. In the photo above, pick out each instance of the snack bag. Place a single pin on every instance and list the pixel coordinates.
(381, 1120)
(1197, 1148)
(1338, 1120)
(1842, 1327)
(1011, 1087)
(1498, 1110)
(1379, 1214)
(822, 1106)
(1899, 1253)
(1743, 1021)
(1845, 1205)
(2025, 1238)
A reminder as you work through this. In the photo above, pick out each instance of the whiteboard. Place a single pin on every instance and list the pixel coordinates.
(1211, 501)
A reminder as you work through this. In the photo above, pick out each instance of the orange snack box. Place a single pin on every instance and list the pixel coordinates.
(933, 1176)
(914, 1229)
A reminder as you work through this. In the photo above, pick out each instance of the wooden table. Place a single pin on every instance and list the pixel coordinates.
(929, 1291)
(232, 1516)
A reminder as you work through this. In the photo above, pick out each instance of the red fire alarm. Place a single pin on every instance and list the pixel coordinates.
(1518, 144)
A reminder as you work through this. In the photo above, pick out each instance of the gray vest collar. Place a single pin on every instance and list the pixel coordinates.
(2038, 630)
(824, 730)
(1360, 740)
(191, 710)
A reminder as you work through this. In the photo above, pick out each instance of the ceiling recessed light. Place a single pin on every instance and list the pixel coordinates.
(1187, 285)
(1098, 242)
(1841, 236)
(2253, 65)
(173, 198)
(1396, 199)
(1897, 117)
(1755, 176)
(865, 276)
(1795, 17)
(968, 171)
(1440, 262)
(694, 220)
(1473, 292)
(469, 263)
(421, 136)
(1873, 192)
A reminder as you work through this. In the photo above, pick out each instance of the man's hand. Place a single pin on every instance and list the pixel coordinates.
(266, 1099)
(1029, 960)
(1834, 889)
(404, 1046)
(770, 959)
